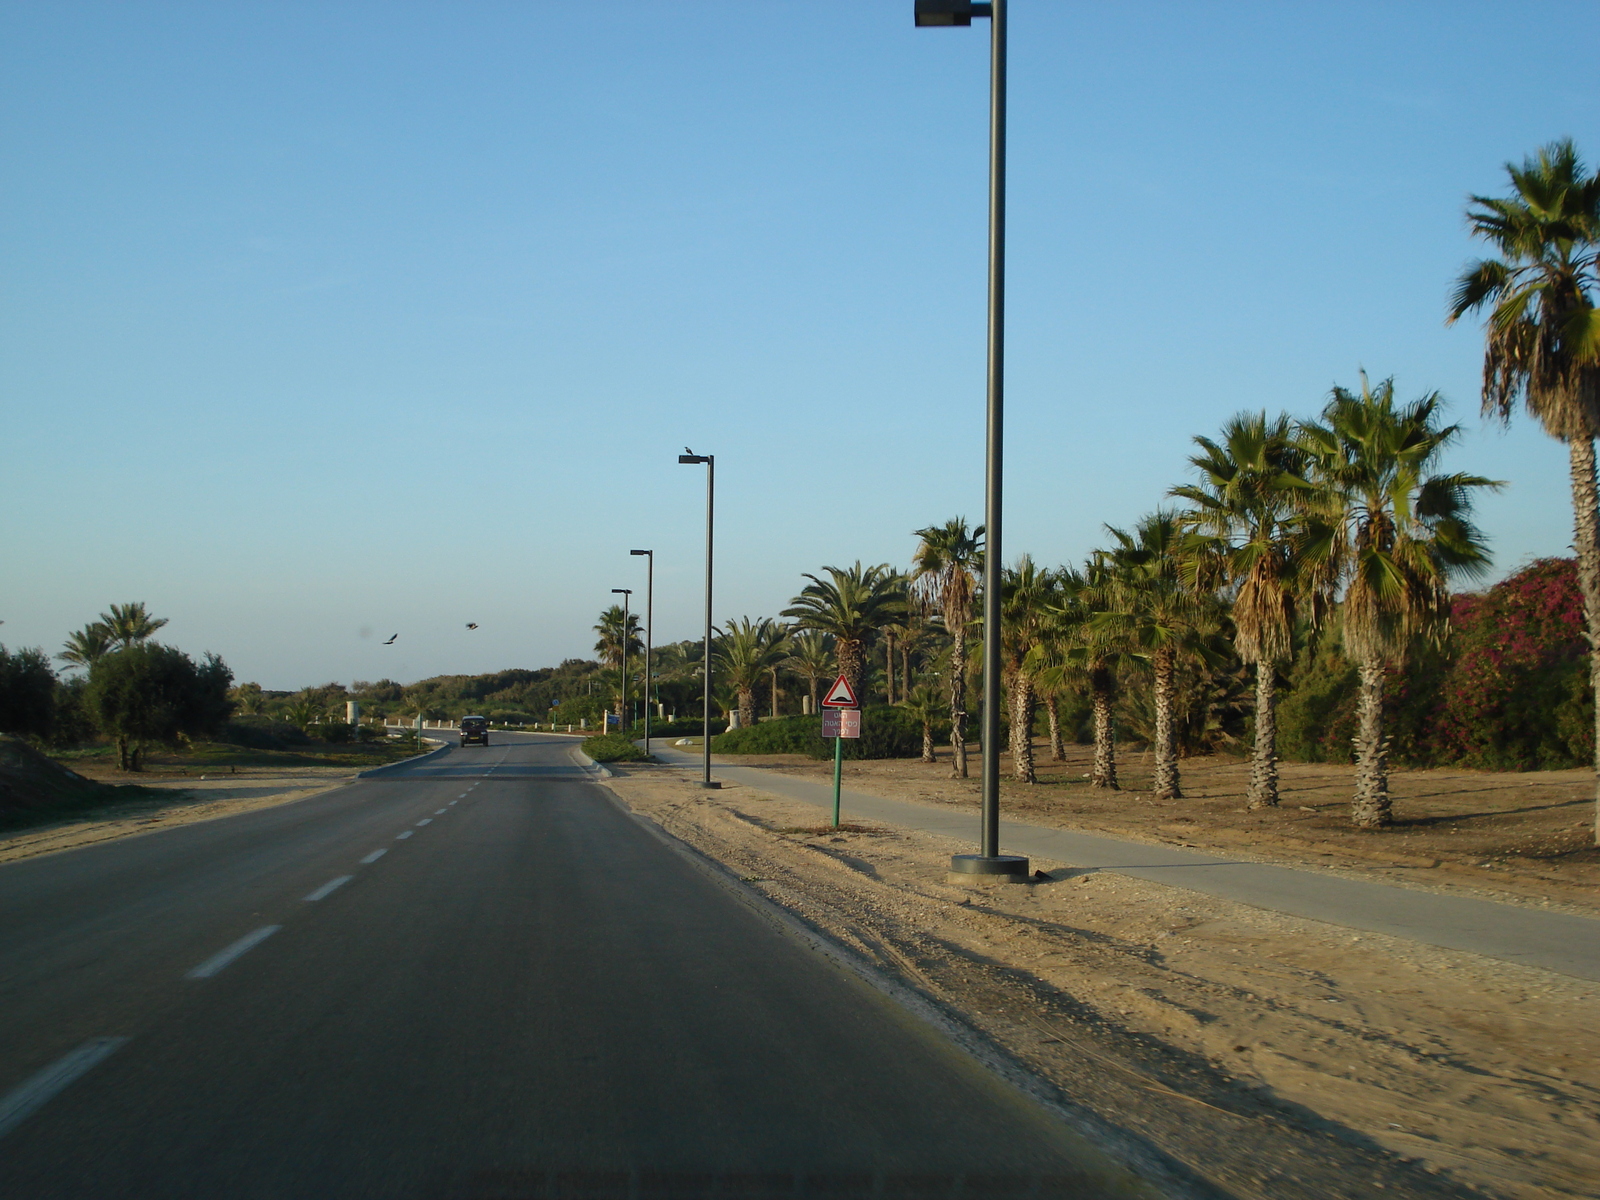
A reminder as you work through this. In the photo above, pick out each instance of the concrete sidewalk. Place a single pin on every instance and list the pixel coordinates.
(1556, 941)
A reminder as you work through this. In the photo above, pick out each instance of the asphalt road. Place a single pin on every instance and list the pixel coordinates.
(475, 976)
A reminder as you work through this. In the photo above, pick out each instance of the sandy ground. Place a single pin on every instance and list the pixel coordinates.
(194, 797)
(1271, 1056)
(1526, 838)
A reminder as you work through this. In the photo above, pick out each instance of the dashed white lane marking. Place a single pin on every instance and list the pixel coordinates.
(331, 886)
(403, 836)
(21, 1102)
(425, 821)
(452, 804)
(463, 796)
(438, 812)
(373, 857)
(223, 957)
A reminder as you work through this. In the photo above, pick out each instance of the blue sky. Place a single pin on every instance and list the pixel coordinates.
(328, 321)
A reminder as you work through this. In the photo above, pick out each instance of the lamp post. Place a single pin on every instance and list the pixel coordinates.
(649, 626)
(961, 12)
(622, 714)
(689, 457)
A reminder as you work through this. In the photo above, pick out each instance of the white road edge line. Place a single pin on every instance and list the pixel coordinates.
(425, 821)
(23, 1101)
(223, 957)
(373, 857)
(329, 887)
(400, 837)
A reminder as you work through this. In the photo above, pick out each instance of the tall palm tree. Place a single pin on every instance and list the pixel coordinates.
(129, 624)
(1161, 618)
(1542, 337)
(850, 605)
(1027, 599)
(1394, 535)
(1242, 540)
(87, 645)
(925, 706)
(811, 658)
(745, 652)
(945, 571)
(619, 640)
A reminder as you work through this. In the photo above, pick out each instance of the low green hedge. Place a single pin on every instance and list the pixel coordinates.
(885, 733)
(612, 747)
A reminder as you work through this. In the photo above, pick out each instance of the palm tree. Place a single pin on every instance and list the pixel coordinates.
(1160, 618)
(129, 624)
(945, 573)
(1542, 338)
(303, 712)
(616, 645)
(1242, 539)
(1078, 647)
(1027, 596)
(87, 645)
(811, 658)
(925, 706)
(747, 651)
(1394, 534)
(851, 605)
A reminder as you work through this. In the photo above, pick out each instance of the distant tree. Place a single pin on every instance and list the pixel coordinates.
(303, 712)
(27, 693)
(746, 652)
(129, 624)
(247, 698)
(150, 693)
(86, 645)
(945, 573)
(927, 707)
(851, 605)
(811, 658)
(620, 639)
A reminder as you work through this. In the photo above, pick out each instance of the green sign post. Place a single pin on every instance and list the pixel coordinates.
(841, 720)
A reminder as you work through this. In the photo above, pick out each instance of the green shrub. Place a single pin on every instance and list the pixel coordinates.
(27, 692)
(260, 733)
(683, 727)
(885, 733)
(612, 747)
(335, 732)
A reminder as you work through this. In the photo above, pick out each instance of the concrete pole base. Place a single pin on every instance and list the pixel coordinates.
(977, 869)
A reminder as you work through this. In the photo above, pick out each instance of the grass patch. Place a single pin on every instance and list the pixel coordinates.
(612, 747)
(207, 756)
(825, 830)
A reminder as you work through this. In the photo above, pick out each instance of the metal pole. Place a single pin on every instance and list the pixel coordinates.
(992, 561)
(649, 629)
(838, 759)
(622, 708)
(711, 496)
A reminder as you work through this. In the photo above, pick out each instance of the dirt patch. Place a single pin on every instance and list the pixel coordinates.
(1274, 1056)
(1520, 837)
(160, 803)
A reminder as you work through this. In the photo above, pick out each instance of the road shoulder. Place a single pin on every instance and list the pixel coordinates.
(1260, 1050)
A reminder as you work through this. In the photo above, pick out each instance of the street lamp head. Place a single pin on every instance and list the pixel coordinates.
(639, 552)
(694, 458)
(950, 12)
(623, 591)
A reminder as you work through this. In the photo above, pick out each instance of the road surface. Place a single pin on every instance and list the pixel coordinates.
(471, 976)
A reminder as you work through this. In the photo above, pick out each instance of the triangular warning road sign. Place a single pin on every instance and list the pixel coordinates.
(841, 695)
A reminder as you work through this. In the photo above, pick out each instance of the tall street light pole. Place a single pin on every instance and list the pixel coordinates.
(649, 627)
(710, 461)
(622, 715)
(989, 861)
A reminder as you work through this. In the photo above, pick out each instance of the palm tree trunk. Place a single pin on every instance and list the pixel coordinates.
(812, 680)
(1371, 809)
(774, 692)
(927, 742)
(958, 700)
(1586, 522)
(1052, 708)
(888, 666)
(1022, 705)
(852, 664)
(1166, 751)
(1264, 763)
(747, 707)
(905, 669)
(1104, 774)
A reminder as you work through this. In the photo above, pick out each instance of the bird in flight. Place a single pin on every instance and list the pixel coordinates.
(472, 624)
(390, 642)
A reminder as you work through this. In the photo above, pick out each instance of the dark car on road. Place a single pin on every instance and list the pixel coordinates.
(474, 730)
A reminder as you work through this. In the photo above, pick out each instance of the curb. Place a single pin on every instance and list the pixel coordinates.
(599, 772)
(415, 758)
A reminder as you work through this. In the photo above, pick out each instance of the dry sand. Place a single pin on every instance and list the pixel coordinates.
(1270, 1055)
